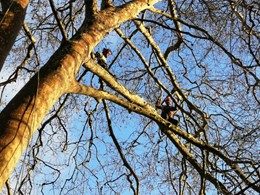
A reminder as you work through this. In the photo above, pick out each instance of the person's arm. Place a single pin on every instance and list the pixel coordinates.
(172, 108)
(101, 59)
(158, 105)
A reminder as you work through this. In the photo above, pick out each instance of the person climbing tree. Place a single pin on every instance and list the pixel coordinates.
(168, 111)
(102, 57)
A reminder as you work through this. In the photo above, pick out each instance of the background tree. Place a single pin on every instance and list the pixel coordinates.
(11, 17)
(79, 128)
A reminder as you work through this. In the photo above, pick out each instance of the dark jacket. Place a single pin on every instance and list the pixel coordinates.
(168, 111)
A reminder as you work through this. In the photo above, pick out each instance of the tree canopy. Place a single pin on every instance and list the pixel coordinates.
(69, 125)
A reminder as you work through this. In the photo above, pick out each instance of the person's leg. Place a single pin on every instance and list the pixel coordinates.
(173, 121)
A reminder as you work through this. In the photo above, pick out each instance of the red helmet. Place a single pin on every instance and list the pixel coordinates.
(106, 52)
(168, 100)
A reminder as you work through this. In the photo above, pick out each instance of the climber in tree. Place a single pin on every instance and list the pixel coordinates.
(168, 111)
(102, 57)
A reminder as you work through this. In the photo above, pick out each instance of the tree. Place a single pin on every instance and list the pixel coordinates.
(12, 17)
(78, 127)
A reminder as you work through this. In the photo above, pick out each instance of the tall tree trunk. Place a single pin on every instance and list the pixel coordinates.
(10, 25)
(23, 115)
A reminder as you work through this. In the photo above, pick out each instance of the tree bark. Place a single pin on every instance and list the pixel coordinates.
(25, 112)
(10, 25)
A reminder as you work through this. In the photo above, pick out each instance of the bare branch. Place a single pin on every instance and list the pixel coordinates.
(178, 27)
(58, 20)
(119, 149)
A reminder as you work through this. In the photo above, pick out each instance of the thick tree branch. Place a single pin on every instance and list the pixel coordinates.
(113, 83)
(10, 25)
(151, 113)
(25, 112)
(178, 160)
(81, 89)
(100, 95)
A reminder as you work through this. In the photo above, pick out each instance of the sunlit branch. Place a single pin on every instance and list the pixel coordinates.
(204, 52)
(99, 95)
(113, 83)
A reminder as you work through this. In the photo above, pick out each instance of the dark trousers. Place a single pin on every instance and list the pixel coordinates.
(173, 121)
